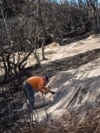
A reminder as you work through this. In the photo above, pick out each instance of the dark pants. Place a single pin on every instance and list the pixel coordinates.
(29, 93)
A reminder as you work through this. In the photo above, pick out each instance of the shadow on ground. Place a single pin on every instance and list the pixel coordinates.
(67, 63)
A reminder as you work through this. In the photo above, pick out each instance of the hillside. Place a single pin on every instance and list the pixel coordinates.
(80, 83)
(74, 75)
(70, 56)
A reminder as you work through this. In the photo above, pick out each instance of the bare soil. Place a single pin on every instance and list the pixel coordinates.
(64, 64)
(71, 122)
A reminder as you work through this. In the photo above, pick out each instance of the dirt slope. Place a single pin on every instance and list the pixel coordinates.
(74, 87)
(74, 72)
(75, 77)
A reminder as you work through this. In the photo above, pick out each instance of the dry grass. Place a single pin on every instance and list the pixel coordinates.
(72, 123)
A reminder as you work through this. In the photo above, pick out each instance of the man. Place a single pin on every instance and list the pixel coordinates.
(35, 83)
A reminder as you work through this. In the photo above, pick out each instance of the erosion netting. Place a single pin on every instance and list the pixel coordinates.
(12, 120)
(85, 119)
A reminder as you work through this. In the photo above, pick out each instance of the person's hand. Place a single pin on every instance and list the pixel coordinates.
(52, 92)
(45, 92)
(49, 87)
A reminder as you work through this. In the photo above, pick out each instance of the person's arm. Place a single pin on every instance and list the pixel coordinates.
(47, 90)
(42, 88)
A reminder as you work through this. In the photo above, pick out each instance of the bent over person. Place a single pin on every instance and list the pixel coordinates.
(35, 83)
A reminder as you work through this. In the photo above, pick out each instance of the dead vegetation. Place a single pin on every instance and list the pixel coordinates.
(73, 122)
(24, 30)
(70, 122)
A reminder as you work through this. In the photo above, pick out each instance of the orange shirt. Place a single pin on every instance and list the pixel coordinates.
(37, 83)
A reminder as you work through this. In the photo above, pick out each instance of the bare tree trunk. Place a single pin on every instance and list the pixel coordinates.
(43, 28)
(43, 54)
(93, 6)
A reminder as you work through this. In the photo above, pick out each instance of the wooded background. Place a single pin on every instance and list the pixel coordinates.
(26, 25)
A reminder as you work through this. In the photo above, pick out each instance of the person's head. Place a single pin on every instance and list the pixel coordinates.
(45, 78)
